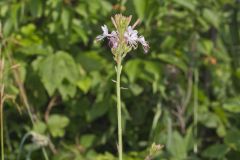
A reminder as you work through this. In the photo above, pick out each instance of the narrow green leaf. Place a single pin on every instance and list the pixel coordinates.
(186, 3)
(140, 7)
(211, 17)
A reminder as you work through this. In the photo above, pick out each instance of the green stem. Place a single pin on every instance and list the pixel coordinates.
(195, 118)
(22, 143)
(45, 153)
(1, 99)
(2, 145)
(119, 114)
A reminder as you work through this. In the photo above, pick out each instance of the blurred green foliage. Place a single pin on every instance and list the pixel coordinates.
(184, 94)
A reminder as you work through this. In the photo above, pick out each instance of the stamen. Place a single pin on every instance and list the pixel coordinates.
(129, 19)
(136, 23)
(114, 23)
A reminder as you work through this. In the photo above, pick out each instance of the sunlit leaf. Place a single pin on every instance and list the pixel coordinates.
(39, 127)
(55, 68)
(211, 17)
(56, 124)
(84, 84)
(87, 140)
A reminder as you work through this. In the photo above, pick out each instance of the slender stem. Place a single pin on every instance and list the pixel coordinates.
(119, 114)
(22, 143)
(22, 90)
(45, 153)
(1, 97)
(2, 145)
(195, 109)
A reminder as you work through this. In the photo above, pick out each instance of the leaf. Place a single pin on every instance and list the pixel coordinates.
(211, 17)
(67, 90)
(8, 27)
(15, 14)
(81, 9)
(87, 140)
(55, 68)
(65, 17)
(35, 7)
(106, 5)
(216, 151)
(221, 130)
(237, 72)
(186, 3)
(153, 67)
(132, 69)
(206, 47)
(51, 73)
(177, 148)
(174, 61)
(91, 61)
(56, 124)
(189, 139)
(81, 33)
(28, 30)
(84, 84)
(35, 49)
(94, 6)
(136, 89)
(232, 105)
(70, 68)
(209, 119)
(140, 7)
(39, 127)
(97, 110)
(168, 42)
(203, 23)
(232, 139)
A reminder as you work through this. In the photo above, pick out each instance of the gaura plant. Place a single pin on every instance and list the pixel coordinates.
(122, 41)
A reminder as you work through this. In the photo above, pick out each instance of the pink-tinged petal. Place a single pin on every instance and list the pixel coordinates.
(105, 30)
(100, 37)
(146, 48)
(104, 35)
(144, 43)
(113, 34)
(131, 31)
(131, 37)
(113, 39)
(113, 42)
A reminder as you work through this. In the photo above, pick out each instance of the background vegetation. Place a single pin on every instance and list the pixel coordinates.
(183, 94)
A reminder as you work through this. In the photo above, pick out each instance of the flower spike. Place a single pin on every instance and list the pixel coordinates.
(124, 38)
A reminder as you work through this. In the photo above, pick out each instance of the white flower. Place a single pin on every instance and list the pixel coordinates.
(132, 39)
(113, 37)
(104, 35)
(144, 43)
